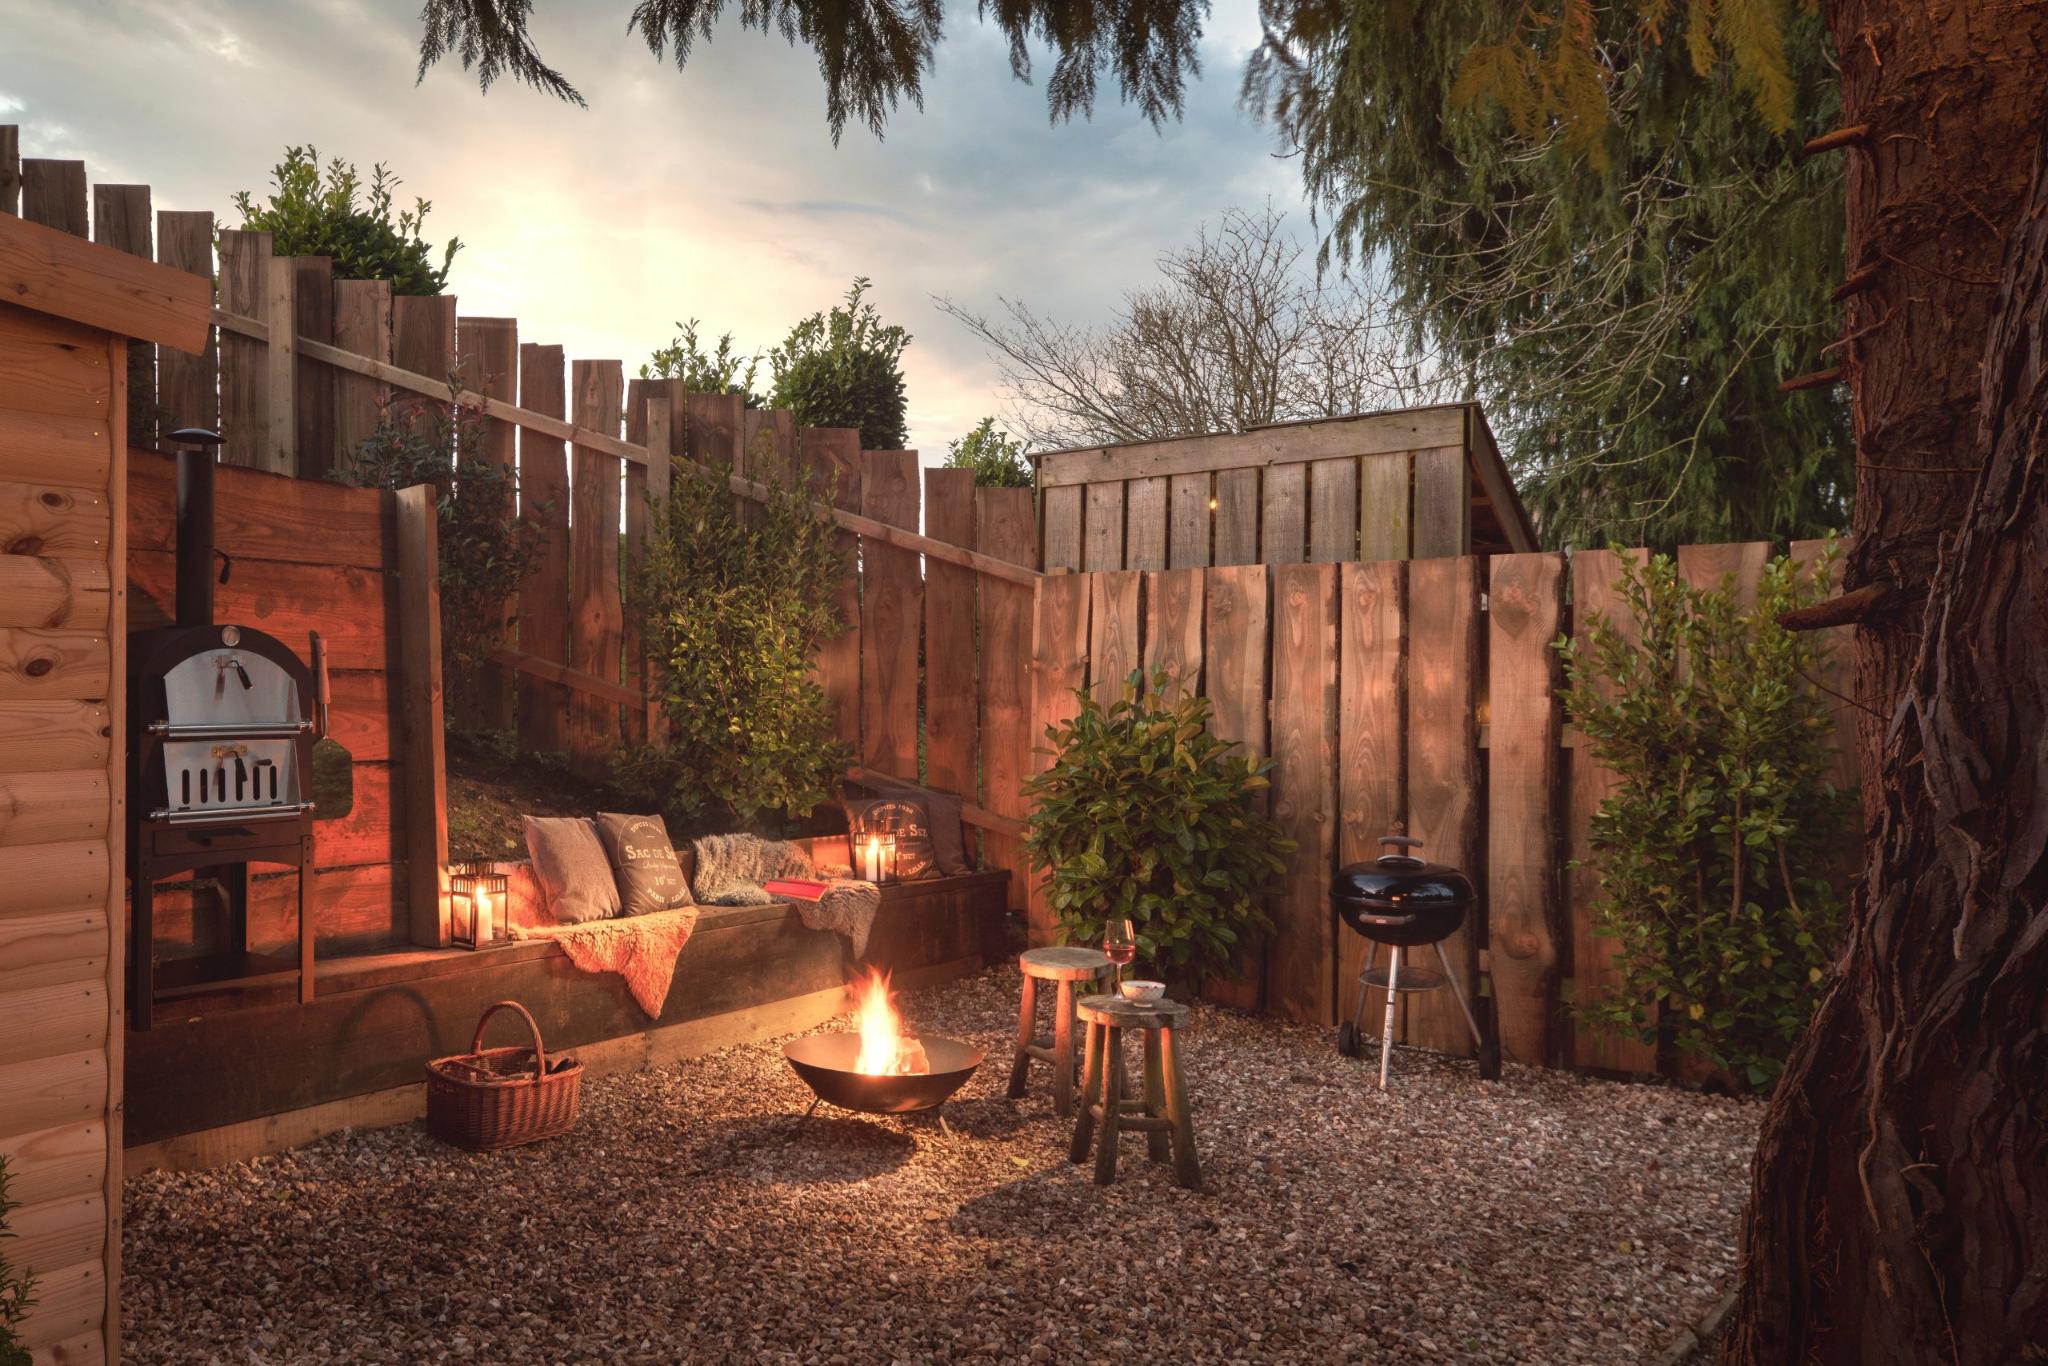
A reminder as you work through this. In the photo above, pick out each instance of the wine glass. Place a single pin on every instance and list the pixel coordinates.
(1120, 943)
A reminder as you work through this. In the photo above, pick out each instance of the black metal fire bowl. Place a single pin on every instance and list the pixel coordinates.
(825, 1062)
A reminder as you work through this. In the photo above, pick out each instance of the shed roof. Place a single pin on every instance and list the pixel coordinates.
(53, 272)
(1499, 521)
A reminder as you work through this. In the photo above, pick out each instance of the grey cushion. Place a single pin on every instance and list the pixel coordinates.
(569, 864)
(949, 844)
(644, 863)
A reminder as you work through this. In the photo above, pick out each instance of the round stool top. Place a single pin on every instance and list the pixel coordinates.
(1115, 1010)
(1064, 964)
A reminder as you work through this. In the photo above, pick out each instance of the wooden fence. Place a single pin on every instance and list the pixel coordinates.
(1423, 695)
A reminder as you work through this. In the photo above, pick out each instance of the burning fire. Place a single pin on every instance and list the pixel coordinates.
(885, 1050)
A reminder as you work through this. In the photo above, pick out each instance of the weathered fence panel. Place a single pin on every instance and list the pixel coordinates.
(544, 596)
(1301, 961)
(596, 619)
(1372, 789)
(951, 674)
(891, 617)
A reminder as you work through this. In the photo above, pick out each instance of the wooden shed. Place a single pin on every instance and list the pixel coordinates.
(68, 310)
(1415, 483)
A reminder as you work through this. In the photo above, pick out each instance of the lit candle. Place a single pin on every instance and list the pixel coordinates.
(871, 862)
(480, 914)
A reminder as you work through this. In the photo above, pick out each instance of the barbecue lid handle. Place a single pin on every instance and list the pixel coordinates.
(196, 436)
(1401, 841)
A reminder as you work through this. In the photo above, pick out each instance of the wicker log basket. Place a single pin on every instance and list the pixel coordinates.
(490, 1098)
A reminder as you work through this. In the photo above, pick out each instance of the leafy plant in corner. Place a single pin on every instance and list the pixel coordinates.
(996, 457)
(314, 214)
(486, 550)
(1145, 815)
(1719, 851)
(17, 1288)
(844, 369)
(735, 608)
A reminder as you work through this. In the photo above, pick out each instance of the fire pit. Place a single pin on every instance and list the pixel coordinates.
(878, 1069)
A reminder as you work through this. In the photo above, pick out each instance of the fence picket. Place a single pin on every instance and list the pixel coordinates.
(1301, 960)
(595, 617)
(1237, 517)
(1442, 519)
(362, 324)
(1283, 514)
(1443, 771)
(1524, 760)
(1102, 528)
(1006, 528)
(487, 354)
(1113, 632)
(1372, 728)
(1188, 535)
(952, 739)
(1062, 528)
(544, 597)
(1333, 510)
(1145, 523)
(1383, 495)
(188, 393)
(53, 194)
(1059, 670)
(244, 411)
(891, 617)
(120, 219)
(831, 455)
(312, 382)
(1234, 609)
(10, 168)
(1173, 629)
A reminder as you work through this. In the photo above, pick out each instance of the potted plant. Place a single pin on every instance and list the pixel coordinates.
(1146, 816)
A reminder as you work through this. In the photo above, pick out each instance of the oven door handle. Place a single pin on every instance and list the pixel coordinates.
(323, 689)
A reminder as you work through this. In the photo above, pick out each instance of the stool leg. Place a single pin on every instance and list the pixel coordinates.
(1187, 1168)
(1026, 1022)
(1063, 1050)
(1112, 1096)
(1387, 1028)
(1157, 1145)
(1091, 1082)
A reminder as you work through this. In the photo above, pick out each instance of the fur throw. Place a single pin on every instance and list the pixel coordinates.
(640, 948)
(731, 869)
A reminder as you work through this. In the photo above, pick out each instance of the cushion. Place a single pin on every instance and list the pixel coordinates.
(902, 817)
(569, 863)
(644, 863)
(949, 846)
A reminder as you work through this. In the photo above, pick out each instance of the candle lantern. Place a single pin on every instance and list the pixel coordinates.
(877, 857)
(888, 859)
(477, 905)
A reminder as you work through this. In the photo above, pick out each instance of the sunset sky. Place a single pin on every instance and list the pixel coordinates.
(714, 192)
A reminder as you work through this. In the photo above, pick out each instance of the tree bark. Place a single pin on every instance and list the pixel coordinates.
(1899, 1211)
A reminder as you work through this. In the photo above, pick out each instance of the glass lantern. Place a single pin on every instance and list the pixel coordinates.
(477, 898)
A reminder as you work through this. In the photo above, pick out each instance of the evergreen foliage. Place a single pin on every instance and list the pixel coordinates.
(311, 213)
(1719, 850)
(734, 611)
(997, 458)
(844, 369)
(1146, 816)
(721, 370)
(17, 1288)
(1622, 259)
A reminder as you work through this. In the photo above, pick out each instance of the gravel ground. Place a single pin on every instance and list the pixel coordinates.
(1546, 1218)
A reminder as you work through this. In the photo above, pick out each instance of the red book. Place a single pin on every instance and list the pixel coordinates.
(796, 889)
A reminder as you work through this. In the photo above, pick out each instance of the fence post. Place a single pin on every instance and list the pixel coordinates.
(426, 776)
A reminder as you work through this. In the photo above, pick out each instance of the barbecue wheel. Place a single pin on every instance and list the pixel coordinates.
(1347, 1039)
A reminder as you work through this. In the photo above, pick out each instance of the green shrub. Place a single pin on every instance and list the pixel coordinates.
(1718, 852)
(844, 369)
(486, 551)
(735, 610)
(719, 371)
(309, 214)
(1146, 816)
(996, 457)
(17, 1288)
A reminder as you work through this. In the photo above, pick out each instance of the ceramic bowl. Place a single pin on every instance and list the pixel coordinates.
(1143, 993)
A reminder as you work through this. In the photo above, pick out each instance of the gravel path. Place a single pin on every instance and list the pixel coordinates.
(1543, 1219)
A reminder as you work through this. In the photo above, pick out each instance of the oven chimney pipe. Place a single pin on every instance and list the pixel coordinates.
(196, 448)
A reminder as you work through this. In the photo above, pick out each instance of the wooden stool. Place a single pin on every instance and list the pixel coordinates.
(1162, 1115)
(1065, 966)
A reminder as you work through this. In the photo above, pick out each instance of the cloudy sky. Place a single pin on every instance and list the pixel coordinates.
(714, 192)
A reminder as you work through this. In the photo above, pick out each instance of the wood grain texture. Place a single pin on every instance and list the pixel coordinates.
(1059, 670)
(362, 324)
(596, 617)
(1443, 503)
(1333, 510)
(1113, 622)
(43, 737)
(120, 219)
(266, 517)
(487, 354)
(1595, 971)
(1188, 513)
(46, 1021)
(544, 596)
(1235, 612)
(49, 1091)
(1005, 526)
(1525, 931)
(1301, 960)
(52, 948)
(46, 590)
(10, 168)
(1283, 514)
(278, 448)
(1237, 517)
(61, 1232)
(1173, 629)
(831, 456)
(53, 877)
(951, 677)
(55, 368)
(50, 450)
(244, 401)
(44, 808)
(1145, 524)
(1738, 566)
(1372, 727)
(422, 802)
(53, 194)
(313, 384)
(50, 1164)
(1286, 443)
(891, 617)
(71, 1303)
(187, 382)
(352, 609)
(54, 666)
(1062, 529)
(1102, 545)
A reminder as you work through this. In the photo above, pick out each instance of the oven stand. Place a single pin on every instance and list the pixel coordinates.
(1391, 983)
(238, 968)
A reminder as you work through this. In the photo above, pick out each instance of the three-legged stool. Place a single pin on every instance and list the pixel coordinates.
(1162, 1115)
(1065, 966)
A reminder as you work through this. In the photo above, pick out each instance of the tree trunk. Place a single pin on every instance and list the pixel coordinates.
(1900, 1205)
